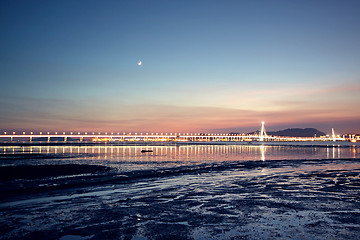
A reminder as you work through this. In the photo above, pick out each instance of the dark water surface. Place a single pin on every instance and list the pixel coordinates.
(128, 158)
(181, 192)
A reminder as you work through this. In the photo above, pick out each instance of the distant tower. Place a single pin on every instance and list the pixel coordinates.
(333, 134)
(262, 133)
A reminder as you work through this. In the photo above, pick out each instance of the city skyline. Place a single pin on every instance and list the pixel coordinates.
(205, 66)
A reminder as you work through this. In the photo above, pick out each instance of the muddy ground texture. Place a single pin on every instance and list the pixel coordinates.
(268, 200)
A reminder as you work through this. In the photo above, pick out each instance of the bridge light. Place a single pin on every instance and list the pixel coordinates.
(5, 133)
(31, 133)
(24, 133)
(48, 133)
(13, 133)
(55, 133)
(85, 133)
(71, 133)
(78, 133)
(112, 133)
(63, 133)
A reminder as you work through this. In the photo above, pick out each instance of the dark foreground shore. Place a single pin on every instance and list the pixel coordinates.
(300, 199)
(42, 171)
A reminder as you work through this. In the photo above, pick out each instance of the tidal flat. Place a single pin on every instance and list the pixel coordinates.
(210, 199)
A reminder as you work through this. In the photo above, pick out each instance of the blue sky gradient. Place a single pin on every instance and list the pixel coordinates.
(208, 66)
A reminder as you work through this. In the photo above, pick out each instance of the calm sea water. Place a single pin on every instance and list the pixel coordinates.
(128, 158)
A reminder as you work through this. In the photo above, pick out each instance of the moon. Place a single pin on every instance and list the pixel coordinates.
(139, 63)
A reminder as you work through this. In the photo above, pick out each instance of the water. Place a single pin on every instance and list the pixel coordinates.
(184, 192)
(128, 158)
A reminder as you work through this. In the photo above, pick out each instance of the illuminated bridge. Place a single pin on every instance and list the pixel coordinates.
(111, 136)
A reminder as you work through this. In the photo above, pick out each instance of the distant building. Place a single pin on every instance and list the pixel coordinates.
(352, 137)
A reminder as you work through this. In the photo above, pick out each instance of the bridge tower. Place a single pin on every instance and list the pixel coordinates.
(262, 132)
(333, 134)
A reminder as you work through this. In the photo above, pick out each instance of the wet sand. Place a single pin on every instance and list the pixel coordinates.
(299, 199)
(43, 171)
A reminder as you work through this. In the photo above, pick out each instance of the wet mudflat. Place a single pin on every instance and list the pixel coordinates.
(295, 199)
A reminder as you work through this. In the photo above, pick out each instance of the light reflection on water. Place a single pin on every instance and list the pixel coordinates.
(183, 153)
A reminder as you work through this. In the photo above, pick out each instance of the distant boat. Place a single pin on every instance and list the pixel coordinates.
(146, 150)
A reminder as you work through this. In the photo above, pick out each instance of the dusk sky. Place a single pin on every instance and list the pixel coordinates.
(207, 66)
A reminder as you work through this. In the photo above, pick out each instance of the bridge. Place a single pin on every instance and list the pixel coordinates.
(111, 136)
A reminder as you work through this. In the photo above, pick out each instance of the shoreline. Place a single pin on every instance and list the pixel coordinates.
(251, 200)
(17, 182)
